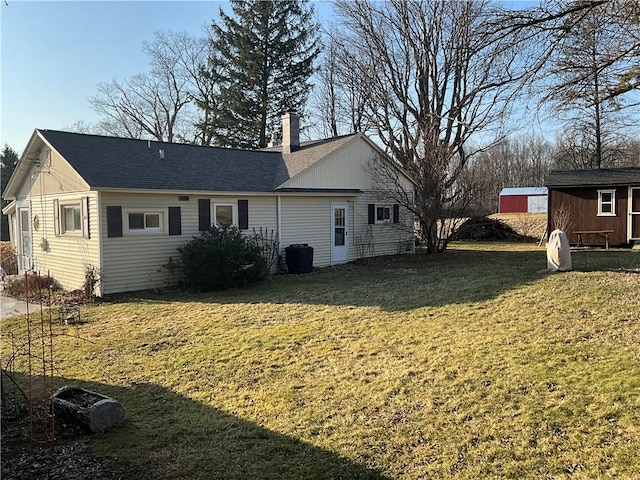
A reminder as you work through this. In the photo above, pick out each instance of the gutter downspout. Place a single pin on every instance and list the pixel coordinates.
(100, 241)
(279, 221)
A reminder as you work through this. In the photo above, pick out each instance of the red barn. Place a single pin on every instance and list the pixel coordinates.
(523, 200)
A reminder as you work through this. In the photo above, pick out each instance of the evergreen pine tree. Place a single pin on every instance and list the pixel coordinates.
(267, 50)
(8, 161)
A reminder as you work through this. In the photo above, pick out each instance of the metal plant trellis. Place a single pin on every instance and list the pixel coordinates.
(37, 349)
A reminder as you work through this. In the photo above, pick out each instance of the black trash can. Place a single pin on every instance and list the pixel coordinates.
(299, 258)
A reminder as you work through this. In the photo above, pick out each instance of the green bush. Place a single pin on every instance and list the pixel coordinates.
(221, 258)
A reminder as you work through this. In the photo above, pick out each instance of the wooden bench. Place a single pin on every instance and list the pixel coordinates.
(604, 234)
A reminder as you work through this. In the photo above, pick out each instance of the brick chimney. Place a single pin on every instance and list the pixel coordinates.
(290, 132)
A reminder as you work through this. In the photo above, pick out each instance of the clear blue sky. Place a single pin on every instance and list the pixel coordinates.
(54, 53)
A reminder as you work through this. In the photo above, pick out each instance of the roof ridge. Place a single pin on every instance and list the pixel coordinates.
(178, 144)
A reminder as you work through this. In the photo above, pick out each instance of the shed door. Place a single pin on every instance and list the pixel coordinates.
(537, 203)
(634, 213)
(339, 233)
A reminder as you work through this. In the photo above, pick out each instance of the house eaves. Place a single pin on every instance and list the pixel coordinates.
(321, 191)
(181, 192)
(22, 168)
(9, 208)
(29, 157)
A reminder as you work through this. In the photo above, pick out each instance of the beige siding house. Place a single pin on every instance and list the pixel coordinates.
(124, 206)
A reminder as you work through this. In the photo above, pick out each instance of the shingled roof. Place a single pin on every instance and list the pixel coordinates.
(112, 162)
(608, 177)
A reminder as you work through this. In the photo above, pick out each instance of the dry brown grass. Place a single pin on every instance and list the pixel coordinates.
(476, 363)
(528, 224)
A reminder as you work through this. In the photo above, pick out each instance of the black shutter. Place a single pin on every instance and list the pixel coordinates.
(396, 213)
(56, 218)
(372, 213)
(204, 214)
(175, 221)
(84, 209)
(114, 221)
(243, 214)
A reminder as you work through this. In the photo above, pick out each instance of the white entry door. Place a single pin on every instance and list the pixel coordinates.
(634, 214)
(339, 233)
(24, 259)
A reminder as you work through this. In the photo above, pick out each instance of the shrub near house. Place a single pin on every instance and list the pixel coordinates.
(221, 258)
(8, 259)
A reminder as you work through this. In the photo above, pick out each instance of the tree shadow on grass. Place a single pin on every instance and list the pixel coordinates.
(405, 282)
(395, 283)
(167, 435)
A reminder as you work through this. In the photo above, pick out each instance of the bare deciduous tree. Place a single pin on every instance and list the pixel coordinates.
(574, 151)
(582, 72)
(624, 60)
(436, 76)
(194, 64)
(337, 103)
(521, 161)
(159, 104)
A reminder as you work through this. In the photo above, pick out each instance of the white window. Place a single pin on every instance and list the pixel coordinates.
(383, 213)
(606, 203)
(145, 222)
(71, 219)
(224, 214)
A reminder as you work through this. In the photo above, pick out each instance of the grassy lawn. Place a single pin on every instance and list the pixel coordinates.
(476, 363)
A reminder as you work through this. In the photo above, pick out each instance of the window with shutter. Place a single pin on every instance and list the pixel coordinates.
(84, 211)
(56, 217)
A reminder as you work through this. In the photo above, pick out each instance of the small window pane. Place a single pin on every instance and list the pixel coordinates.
(24, 220)
(224, 215)
(383, 214)
(606, 202)
(152, 220)
(136, 221)
(76, 218)
(71, 219)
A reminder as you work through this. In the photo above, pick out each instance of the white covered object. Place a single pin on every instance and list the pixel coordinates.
(558, 252)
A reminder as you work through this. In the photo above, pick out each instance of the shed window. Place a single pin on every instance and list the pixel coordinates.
(606, 202)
